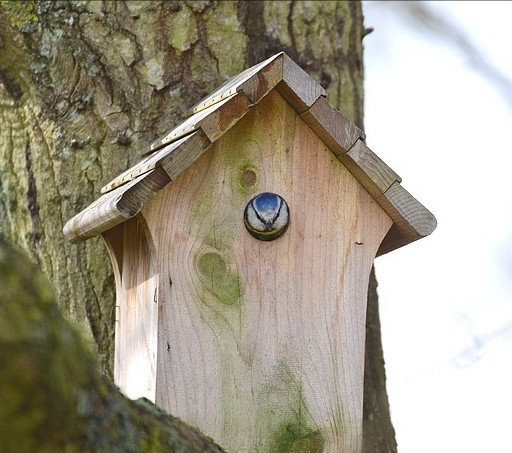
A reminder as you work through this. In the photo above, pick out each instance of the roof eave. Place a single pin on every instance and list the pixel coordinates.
(116, 206)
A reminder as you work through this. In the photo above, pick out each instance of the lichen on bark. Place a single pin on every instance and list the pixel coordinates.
(21, 14)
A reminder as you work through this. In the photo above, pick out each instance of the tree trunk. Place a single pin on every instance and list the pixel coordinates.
(84, 86)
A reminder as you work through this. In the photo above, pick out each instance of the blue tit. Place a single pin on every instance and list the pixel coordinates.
(267, 216)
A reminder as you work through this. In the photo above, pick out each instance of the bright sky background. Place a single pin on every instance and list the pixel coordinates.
(446, 301)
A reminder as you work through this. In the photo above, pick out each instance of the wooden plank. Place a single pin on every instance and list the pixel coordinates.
(116, 206)
(114, 241)
(273, 329)
(411, 220)
(246, 81)
(132, 200)
(99, 216)
(207, 125)
(149, 162)
(298, 88)
(228, 104)
(219, 120)
(181, 157)
(372, 172)
(257, 86)
(186, 127)
(332, 127)
(137, 313)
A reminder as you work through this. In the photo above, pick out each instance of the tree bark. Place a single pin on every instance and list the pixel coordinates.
(84, 86)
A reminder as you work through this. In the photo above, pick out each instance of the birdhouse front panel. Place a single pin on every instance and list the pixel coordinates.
(259, 336)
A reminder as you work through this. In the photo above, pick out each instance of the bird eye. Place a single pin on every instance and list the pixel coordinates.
(267, 216)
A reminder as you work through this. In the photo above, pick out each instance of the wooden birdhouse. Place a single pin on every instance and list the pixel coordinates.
(242, 245)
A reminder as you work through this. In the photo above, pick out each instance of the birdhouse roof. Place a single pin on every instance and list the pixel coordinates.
(168, 156)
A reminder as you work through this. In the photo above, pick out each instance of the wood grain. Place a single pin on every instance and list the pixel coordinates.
(222, 118)
(188, 126)
(247, 81)
(276, 329)
(334, 129)
(186, 142)
(115, 207)
(152, 161)
(411, 220)
(181, 157)
(298, 88)
(371, 171)
(135, 265)
(295, 85)
(254, 82)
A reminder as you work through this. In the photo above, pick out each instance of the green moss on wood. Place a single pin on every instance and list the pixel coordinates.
(218, 279)
(243, 159)
(286, 416)
(295, 438)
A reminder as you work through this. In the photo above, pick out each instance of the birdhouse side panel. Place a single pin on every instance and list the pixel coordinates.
(134, 261)
(261, 343)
